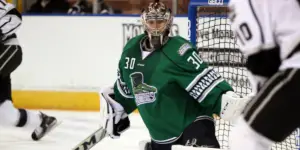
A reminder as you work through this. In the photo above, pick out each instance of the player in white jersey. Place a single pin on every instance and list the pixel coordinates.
(10, 59)
(269, 36)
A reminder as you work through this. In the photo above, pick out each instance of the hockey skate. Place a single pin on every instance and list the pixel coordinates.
(48, 123)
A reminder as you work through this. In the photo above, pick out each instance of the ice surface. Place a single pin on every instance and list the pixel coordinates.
(75, 127)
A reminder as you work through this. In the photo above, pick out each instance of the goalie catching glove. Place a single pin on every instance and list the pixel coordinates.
(113, 117)
(233, 105)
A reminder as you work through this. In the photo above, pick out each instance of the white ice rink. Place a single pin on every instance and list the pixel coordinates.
(75, 127)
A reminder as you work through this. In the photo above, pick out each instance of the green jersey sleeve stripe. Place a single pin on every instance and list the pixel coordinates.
(167, 141)
(204, 117)
(196, 79)
(203, 83)
(202, 97)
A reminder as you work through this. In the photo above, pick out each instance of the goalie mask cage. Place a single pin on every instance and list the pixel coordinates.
(210, 32)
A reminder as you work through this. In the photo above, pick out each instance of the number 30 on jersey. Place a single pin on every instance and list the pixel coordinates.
(195, 60)
(129, 63)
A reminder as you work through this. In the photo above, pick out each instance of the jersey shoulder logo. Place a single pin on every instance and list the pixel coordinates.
(183, 48)
(143, 92)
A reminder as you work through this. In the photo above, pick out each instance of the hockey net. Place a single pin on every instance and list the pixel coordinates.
(211, 32)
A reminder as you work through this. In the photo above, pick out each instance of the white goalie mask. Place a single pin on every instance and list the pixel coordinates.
(157, 21)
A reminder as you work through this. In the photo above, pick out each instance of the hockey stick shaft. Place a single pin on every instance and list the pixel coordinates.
(91, 140)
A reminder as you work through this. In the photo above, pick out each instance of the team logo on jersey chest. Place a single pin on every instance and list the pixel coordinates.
(143, 93)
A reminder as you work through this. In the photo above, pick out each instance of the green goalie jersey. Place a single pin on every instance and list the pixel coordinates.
(171, 87)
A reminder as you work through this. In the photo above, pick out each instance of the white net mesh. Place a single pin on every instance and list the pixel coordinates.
(217, 46)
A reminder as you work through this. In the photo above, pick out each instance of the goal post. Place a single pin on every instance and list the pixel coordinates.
(210, 32)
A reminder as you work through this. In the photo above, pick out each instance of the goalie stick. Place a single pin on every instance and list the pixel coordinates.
(91, 140)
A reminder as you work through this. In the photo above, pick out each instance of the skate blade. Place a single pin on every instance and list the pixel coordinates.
(53, 127)
(57, 123)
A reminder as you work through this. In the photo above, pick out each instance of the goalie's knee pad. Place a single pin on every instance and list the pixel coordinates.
(244, 137)
(200, 133)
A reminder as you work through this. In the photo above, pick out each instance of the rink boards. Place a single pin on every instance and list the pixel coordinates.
(59, 100)
(68, 59)
(89, 101)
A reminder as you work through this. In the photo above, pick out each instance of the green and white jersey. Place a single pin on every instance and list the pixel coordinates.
(171, 87)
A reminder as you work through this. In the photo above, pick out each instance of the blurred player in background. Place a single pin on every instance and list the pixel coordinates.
(10, 59)
(269, 36)
(87, 6)
(175, 92)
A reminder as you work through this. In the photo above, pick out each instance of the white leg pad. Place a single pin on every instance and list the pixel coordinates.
(9, 115)
(33, 120)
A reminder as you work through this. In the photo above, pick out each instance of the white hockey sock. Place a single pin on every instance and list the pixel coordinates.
(11, 116)
(33, 120)
(244, 137)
